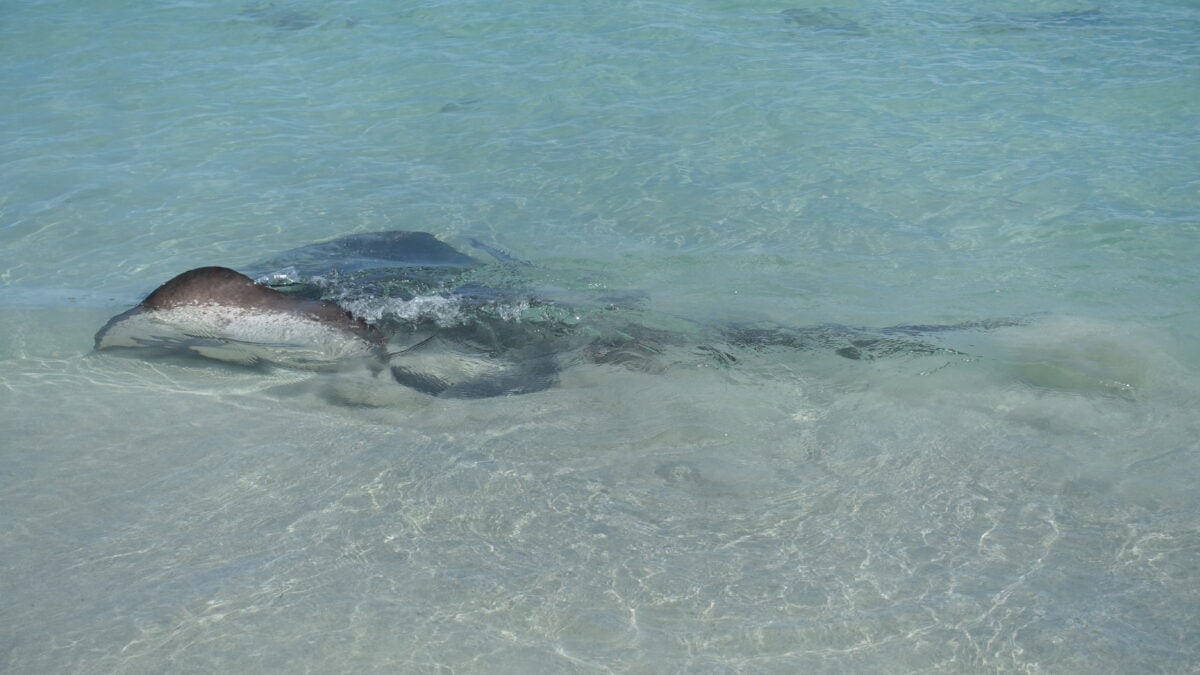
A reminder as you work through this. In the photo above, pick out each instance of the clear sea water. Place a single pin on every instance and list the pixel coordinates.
(1030, 505)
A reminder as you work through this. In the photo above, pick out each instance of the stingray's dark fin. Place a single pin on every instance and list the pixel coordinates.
(426, 384)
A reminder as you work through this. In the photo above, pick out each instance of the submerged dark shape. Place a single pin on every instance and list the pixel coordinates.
(459, 104)
(818, 20)
(822, 20)
(427, 313)
(281, 18)
(1015, 22)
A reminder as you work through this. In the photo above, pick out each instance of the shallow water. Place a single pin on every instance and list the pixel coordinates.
(1025, 504)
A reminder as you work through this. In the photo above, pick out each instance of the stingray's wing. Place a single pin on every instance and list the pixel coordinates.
(234, 335)
(142, 332)
(452, 369)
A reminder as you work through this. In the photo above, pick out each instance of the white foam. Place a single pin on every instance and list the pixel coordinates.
(287, 275)
(442, 310)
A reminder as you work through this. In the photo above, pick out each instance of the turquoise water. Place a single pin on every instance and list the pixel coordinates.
(1028, 505)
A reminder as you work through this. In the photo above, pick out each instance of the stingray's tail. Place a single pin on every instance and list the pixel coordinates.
(855, 342)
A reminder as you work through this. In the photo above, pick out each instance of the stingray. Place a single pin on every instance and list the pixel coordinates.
(435, 320)
(287, 317)
(823, 20)
(281, 18)
(1015, 22)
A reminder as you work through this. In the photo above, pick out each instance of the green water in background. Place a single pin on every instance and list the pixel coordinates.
(1028, 507)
